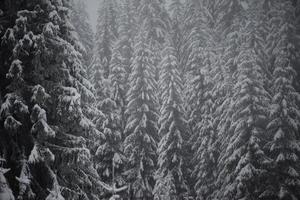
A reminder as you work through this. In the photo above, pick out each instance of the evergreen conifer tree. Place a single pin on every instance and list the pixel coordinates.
(84, 32)
(106, 33)
(142, 132)
(173, 131)
(244, 162)
(284, 116)
(43, 107)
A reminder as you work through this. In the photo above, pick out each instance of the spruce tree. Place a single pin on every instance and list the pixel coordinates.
(109, 156)
(153, 15)
(5, 191)
(43, 107)
(173, 131)
(296, 39)
(203, 141)
(84, 32)
(142, 137)
(176, 14)
(244, 162)
(284, 114)
(112, 99)
(122, 58)
(106, 33)
(155, 19)
(206, 77)
(24, 123)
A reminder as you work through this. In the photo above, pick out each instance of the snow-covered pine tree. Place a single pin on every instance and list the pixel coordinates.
(113, 103)
(193, 106)
(216, 94)
(42, 100)
(203, 71)
(122, 58)
(256, 12)
(269, 28)
(176, 14)
(276, 13)
(190, 34)
(106, 33)
(192, 57)
(194, 76)
(296, 41)
(141, 129)
(153, 15)
(99, 69)
(243, 164)
(96, 77)
(111, 90)
(77, 137)
(229, 64)
(284, 146)
(5, 191)
(84, 32)
(196, 37)
(172, 150)
(238, 14)
(112, 99)
(105, 37)
(109, 157)
(204, 138)
(21, 132)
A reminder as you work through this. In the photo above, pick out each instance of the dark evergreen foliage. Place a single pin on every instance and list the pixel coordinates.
(168, 99)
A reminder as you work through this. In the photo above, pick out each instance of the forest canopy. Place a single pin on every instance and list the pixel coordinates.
(164, 100)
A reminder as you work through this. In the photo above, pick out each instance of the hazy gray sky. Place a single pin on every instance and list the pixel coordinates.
(92, 6)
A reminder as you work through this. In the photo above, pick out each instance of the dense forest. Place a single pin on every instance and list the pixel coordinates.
(165, 100)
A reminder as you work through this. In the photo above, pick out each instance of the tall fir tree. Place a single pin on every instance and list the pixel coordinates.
(296, 41)
(106, 33)
(205, 75)
(42, 100)
(154, 17)
(80, 19)
(122, 58)
(5, 191)
(142, 132)
(112, 98)
(284, 115)
(109, 156)
(24, 123)
(172, 150)
(176, 10)
(243, 164)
